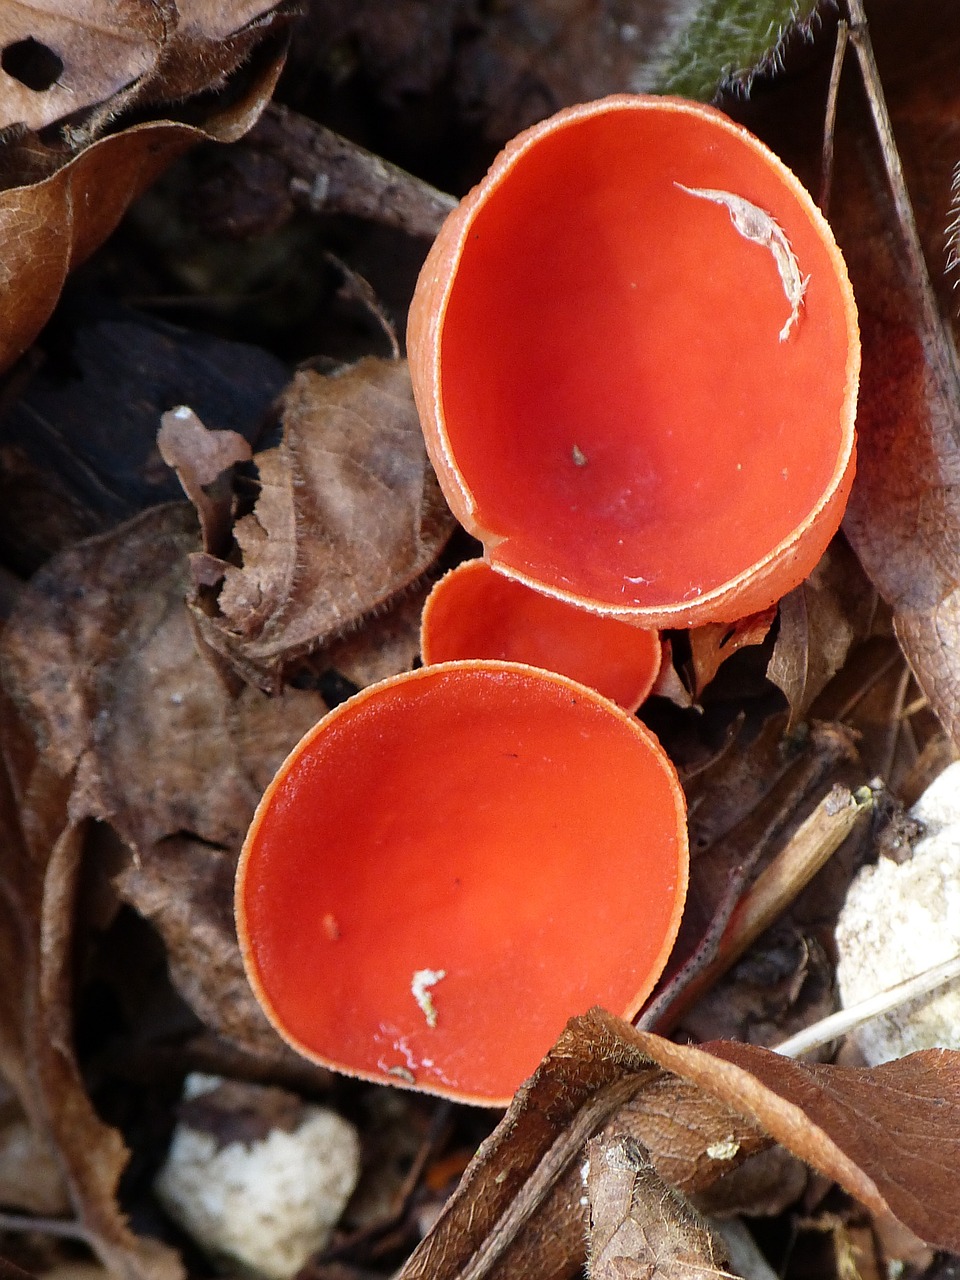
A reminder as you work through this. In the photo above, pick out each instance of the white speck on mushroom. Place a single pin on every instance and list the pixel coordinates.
(756, 225)
(579, 457)
(420, 986)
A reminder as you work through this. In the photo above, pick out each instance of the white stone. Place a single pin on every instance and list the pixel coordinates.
(266, 1207)
(901, 919)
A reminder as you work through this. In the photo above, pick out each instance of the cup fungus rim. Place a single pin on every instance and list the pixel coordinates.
(432, 672)
(425, 331)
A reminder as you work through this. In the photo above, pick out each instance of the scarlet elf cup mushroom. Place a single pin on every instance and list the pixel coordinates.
(635, 354)
(473, 612)
(452, 864)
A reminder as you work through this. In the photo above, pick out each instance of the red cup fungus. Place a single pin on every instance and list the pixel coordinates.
(635, 354)
(453, 863)
(474, 612)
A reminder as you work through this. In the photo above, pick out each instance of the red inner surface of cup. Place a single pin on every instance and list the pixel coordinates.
(615, 392)
(474, 612)
(508, 827)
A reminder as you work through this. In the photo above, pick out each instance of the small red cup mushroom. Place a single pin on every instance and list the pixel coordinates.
(453, 863)
(474, 612)
(635, 354)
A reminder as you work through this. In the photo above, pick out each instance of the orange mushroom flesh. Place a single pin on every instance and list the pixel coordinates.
(453, 863)
(635, 353)
(473, 612)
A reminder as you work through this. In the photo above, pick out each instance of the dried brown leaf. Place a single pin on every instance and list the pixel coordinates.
(820, 622)
(899, 1123)
(134, 718)
(38, 880)
(79, 449)
(764, 1186)
(209, 42)
(904, 514)
(30, 1175)
(518, 1209)
(349, 515)
(102, 46)
(386, 644)
(668, 683)
(641, 1228)
(887, 1134)
(60, 58)
(50, 226)
(117, 717)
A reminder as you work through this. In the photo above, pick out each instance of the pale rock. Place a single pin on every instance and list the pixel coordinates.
(900, 919)
(262, 1206)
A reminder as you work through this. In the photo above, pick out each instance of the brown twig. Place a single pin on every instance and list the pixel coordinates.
(841, 1023)
(830, 117)
(742, 850)
(811, 845)
(57, 1228)
(814, 842)
(330, 174)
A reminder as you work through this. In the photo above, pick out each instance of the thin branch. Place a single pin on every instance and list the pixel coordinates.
(839, 1024)
(59, 1228)
(327, 173)
(811, 845)
(798, 862)
(830, 117)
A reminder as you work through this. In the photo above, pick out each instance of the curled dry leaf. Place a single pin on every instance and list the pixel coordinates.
(349, 515)
(203, 461)
(887, 1134)
(387, 644)
(61, 58)
(668, 683)
(713, 643)
(894, 1126)
(50, 226)
(30, 1175)
(211, 39)
(739, 808)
